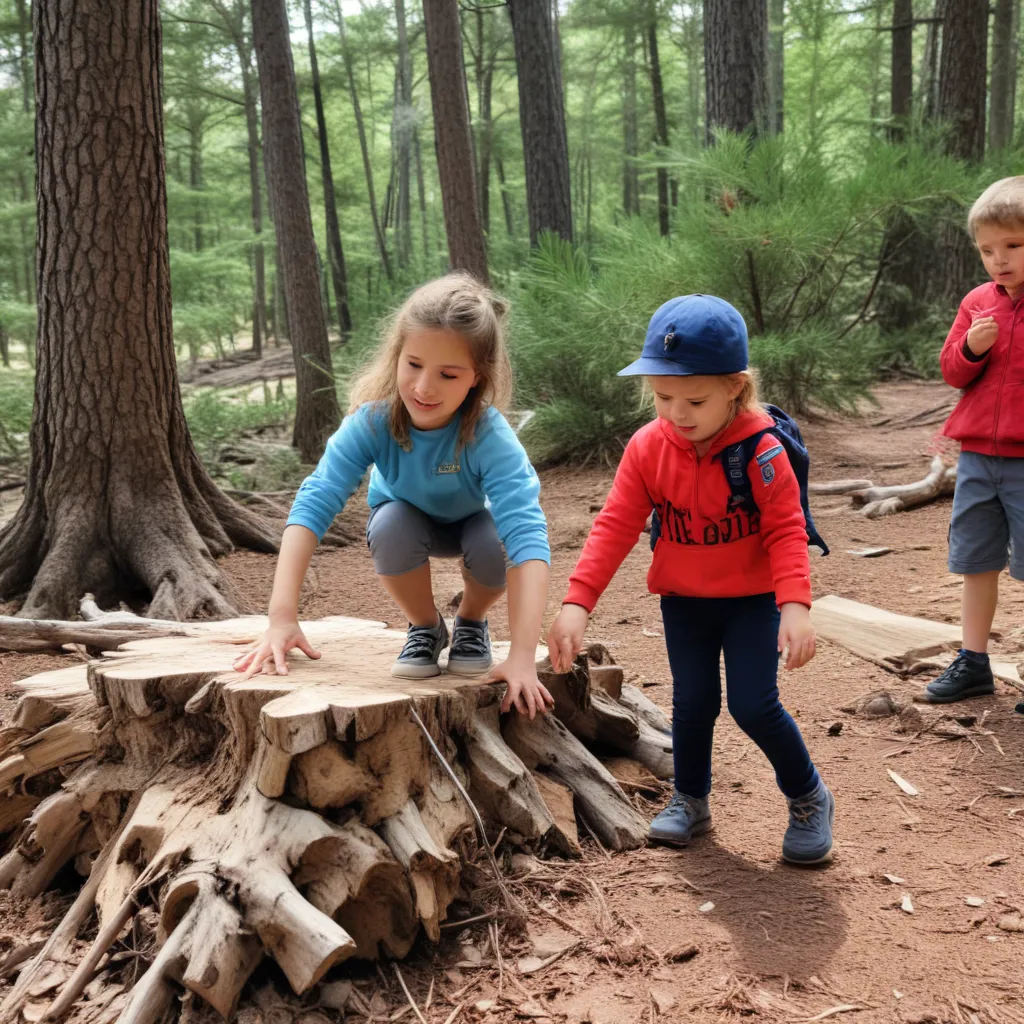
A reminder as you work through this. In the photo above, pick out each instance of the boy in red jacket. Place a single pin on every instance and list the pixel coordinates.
(723, 573)
(984, 356)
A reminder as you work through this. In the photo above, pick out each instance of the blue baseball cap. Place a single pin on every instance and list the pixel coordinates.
(692, 335)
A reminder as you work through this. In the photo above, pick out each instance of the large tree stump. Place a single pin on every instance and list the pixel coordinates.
(305, 817)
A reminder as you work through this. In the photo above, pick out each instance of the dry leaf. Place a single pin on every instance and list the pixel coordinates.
(902, 783)
(663, 1001)
(906, 906)
(530, 964)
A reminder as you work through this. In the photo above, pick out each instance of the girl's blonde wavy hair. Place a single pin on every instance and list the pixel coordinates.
(749, 399)
(455, 302)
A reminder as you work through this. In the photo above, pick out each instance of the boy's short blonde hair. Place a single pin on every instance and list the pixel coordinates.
(1002, 203)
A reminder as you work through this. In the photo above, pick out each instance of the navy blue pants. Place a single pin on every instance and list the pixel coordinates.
(697, 631)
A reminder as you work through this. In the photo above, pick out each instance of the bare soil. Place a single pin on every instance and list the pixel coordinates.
(779, 943)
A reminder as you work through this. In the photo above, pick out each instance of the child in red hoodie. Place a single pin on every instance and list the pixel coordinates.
(984, 357)
(729, 581)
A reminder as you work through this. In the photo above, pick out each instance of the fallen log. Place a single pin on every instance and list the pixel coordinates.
(307, 817)
(875, 502)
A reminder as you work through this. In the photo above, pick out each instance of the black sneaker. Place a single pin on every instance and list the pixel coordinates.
(964, 678)
(471, 648)
(423, 646)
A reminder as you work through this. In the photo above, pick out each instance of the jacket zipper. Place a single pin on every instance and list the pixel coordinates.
(1002, 379)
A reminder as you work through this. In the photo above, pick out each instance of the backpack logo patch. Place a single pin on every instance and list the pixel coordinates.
(767, 472)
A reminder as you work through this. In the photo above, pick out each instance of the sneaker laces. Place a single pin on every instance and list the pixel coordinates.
(803, 810)
(419, 642)
(680, 801)
(470, 640)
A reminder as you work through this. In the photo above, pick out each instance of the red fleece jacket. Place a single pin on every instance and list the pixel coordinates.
(704, 550)
(989, 418)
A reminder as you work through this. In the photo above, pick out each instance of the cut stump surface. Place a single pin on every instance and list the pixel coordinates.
(305, 817)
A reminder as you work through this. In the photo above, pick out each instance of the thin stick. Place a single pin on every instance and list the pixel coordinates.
(469, 920)
(493, 929)
(558, 919)
(590, 832)
(511, 903)
(430, 993)
(408, 995)
(450, 1019)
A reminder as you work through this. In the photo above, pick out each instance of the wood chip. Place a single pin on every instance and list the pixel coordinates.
(974, 901)
(1010, 923)
(651, 632)
(483, 1005)
(895, 879)
(530, 964)
(870, 552)
(906, 906)
(663, 1001)
(902, 783)
(706, 908)
(677, 954)
(996, 859)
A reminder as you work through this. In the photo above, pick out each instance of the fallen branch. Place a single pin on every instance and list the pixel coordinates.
(875, 502)
(839, 486)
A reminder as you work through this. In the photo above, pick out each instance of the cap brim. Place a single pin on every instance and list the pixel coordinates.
(653, 367)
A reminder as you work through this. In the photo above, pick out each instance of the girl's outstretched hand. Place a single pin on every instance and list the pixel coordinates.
(565, 637)
(796, 635)
(525, 690)
(269, 653)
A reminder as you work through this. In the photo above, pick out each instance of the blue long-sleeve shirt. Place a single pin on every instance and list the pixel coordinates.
(493, 470)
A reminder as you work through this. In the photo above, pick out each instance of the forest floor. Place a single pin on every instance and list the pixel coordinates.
(779, 943)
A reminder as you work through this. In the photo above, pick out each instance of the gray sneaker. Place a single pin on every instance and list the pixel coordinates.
(423, 646)
(684, 818)
(808, 839)
(471, 648)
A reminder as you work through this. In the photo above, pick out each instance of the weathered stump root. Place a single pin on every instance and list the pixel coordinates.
(303, 817)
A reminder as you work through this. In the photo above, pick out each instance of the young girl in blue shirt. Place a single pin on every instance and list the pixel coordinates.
(449, 479)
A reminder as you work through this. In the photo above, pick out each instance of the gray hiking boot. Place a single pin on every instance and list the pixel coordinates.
(964, 678)
(808, 839)
(471, 648)
(684, 818)
(423, 646)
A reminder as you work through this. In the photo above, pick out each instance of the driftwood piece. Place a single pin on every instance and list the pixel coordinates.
(838, 486)
(304, 817)
(875, 502)
(895, 642)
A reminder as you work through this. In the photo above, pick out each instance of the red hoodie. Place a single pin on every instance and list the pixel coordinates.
(704, 550)
(989, 418)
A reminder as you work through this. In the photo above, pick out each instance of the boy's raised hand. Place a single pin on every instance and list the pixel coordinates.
(796, 635)
(565, 637)
(982, 334)
(269, 653)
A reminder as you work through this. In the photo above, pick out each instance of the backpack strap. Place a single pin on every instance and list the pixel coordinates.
(735, 460)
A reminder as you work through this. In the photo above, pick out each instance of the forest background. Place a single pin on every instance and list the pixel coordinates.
(816, 176)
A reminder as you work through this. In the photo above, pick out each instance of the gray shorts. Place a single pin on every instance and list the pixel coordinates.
(401, 538)
(987, 529)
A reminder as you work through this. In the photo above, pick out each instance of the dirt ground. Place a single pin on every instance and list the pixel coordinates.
(779, 943)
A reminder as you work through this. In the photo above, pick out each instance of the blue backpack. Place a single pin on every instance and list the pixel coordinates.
(736, 458)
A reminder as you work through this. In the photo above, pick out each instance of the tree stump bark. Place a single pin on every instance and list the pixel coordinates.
(305, 817)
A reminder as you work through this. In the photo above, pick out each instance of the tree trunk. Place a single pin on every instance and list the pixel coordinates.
(930, 63)
(962, 77)
(735, 65)
(306, 818)
(542, 120)
(902, 86)
(259, 306)
(335, 253)
(962, 88)
(195, 180)
(403, 123)
(630, 131)
(316, 414)
(1004, 74)
(485, 131)
(25, 74)
(777, 64)
(660, 121)
(346, 56)
(116, 500)
(421, 191)
(506, 199)
(453, 139)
